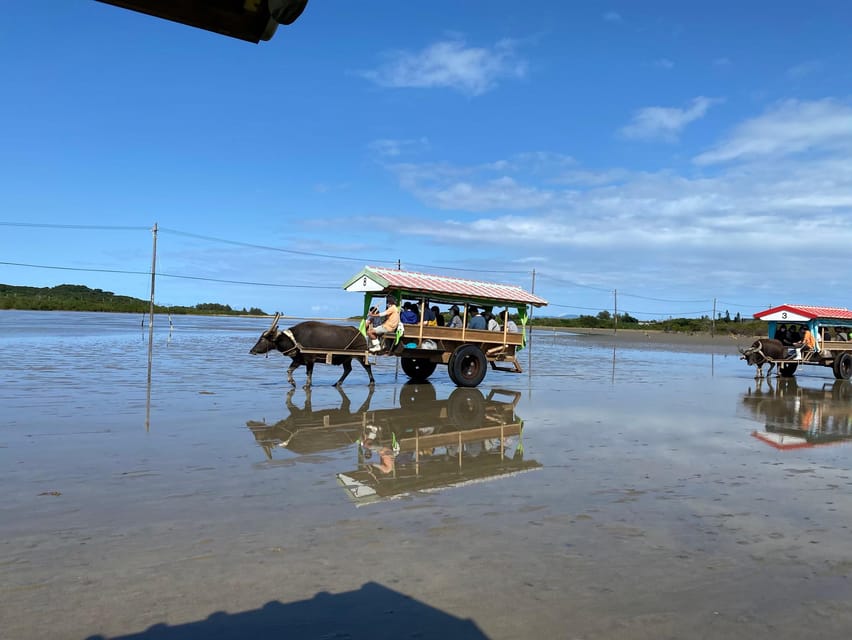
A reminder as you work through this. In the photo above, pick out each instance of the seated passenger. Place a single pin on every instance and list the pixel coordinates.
(840, 334)
(455, 318)
(439, 317)
(391, 316)
(428, 316)
(408, 315)
(806, 345)
(476, 321)
(492, 325)
(781, 334)
(510, 325)
(793, 335)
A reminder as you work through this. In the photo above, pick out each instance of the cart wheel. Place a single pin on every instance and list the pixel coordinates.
(418, 369)
(843, 366)
(787, 369)
(467, 366)
(466, 407)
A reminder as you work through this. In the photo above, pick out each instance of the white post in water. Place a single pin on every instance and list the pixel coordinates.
(151, 329)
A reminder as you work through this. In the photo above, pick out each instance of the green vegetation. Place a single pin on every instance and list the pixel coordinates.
(75, 297)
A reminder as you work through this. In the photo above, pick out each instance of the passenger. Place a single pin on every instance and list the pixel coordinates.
(781, 334)
(510, 325)
(408, 316)
(455, 318)
(439, 317)
(476, 321)
(493, 325)
(793, 335)
(428, 316)
(374, 318)
(390, 324)
(840, 334)
(806, 345)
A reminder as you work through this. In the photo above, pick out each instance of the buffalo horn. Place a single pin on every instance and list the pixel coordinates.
(274, 324)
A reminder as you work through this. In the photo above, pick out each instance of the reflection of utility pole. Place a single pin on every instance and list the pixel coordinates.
(529, 322)
(151, 328)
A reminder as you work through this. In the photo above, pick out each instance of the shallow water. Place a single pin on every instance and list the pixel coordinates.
(656, 493)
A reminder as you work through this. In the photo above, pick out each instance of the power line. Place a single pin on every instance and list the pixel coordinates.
(239, 243)
(86, 227)
(171, 275)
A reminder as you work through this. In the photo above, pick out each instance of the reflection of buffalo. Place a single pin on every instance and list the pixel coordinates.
(795, 416)
(307, 430)
(764, 351)
(309, 342)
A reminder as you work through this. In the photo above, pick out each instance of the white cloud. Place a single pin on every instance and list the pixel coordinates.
(664, 63)
(722, 62)
(612, 16)
(633, 230)
(790, 127)
(666, 123)
(389, 148)
(450, 64)
(804, 69)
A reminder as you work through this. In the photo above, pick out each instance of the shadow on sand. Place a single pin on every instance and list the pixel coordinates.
(373, 611)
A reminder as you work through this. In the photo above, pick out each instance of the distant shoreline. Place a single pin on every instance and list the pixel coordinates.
(655, 339)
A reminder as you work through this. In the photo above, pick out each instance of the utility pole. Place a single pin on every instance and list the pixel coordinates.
(713, 320)
(615, 310)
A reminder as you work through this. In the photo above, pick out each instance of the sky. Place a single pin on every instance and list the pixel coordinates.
(661, 157)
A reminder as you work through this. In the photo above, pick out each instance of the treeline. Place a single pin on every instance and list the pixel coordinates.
(76, 297)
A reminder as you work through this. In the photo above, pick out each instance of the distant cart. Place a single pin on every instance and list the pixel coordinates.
(830, 327)
(466, 352)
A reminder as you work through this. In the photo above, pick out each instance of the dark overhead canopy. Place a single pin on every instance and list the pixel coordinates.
(251, 20)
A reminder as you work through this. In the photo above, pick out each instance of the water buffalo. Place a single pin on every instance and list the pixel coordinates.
(764, 351)
(314, 335)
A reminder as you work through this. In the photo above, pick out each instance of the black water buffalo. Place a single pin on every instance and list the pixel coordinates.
(314, 335)
(764, 351)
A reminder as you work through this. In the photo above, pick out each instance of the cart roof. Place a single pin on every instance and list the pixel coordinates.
(803, 313)
(380, 280)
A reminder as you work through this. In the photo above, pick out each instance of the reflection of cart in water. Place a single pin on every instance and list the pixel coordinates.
(796, 417)
(466, 438)
(424, 443)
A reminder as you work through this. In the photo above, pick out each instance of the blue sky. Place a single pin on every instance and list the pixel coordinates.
(676, 152)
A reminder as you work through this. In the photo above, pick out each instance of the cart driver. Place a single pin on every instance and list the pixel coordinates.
(391, 316)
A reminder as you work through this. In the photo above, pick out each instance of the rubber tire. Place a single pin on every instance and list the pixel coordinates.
(466, 408)
(418, 369)
(787, 369)
(467, 366)
(843, 366)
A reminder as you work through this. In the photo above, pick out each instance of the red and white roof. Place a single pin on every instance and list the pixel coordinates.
(803, 313)
(380, 279)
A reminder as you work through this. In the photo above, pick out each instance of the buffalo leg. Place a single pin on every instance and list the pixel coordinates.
(368, 368)
(309, 365)
(347, 369)
(293, 366)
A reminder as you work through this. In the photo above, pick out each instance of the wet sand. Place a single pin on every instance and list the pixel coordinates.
(655, 513)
